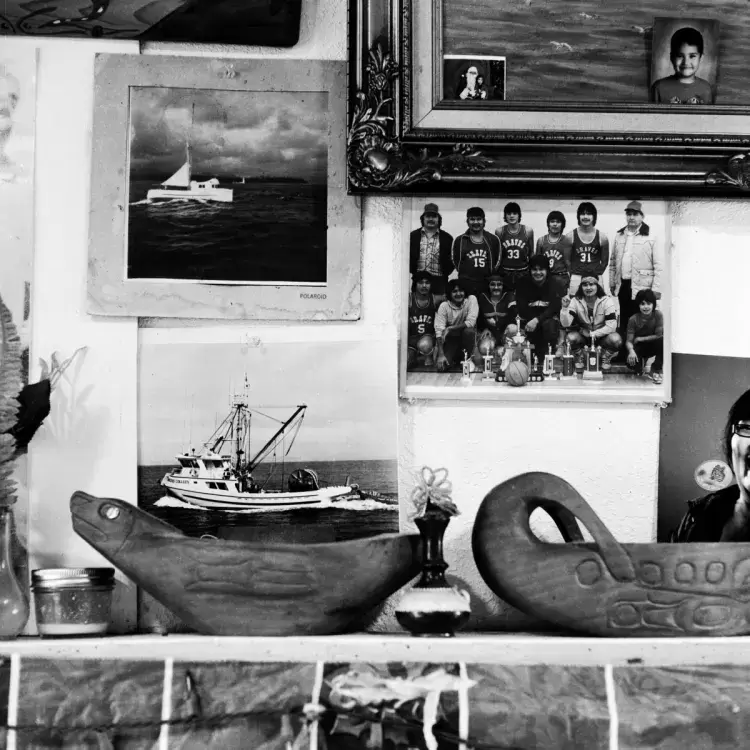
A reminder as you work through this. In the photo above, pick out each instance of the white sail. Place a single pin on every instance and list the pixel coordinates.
(181, 178)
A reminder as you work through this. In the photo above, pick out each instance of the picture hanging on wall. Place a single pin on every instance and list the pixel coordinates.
(241, 440)
(222, 193)
(702, 462)
(542, 300)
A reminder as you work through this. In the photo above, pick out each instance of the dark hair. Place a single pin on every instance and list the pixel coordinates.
(556, 215)
(538, 261)
(418, 276)
(599, 289)
(512, 208)
(646, 295)
(685, 35)
(740, 410)
(453, 283)
(588, 208)
(475, 211)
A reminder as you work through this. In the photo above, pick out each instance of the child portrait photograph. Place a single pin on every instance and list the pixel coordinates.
(685, 61)
(548, 299)
(473, 78)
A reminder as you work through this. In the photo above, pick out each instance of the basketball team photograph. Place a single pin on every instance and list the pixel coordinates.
(536, 298)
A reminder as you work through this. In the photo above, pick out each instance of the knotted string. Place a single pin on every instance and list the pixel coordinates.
(433, 488)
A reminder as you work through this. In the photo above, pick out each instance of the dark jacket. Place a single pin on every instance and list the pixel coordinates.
(445, 243)
(706, 516)
(534, 301)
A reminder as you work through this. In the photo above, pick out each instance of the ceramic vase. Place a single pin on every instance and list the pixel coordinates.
(14, 604)
(433, 607)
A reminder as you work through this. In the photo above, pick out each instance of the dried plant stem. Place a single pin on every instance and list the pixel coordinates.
(10, 387)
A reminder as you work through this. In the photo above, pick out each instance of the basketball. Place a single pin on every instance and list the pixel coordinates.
(517, 373)
(425, 344)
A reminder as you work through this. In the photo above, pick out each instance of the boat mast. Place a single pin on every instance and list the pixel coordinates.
(258, 457)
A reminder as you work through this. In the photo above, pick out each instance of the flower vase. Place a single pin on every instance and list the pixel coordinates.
(14, 605)
(433, 607)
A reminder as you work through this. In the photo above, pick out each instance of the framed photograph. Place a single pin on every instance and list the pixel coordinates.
(536, 299)
(218, 191)
(219, 22)
(698, 455)
(237, 441)
(575, 117)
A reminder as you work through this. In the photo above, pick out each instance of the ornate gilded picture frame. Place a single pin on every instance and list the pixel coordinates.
(574, 116)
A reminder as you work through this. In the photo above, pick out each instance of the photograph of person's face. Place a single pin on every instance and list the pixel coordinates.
(512, 218)
(646, 307)
(538, 274)
(687, 61)
(476, 223)
(634, 219)
(554, 226)
(496, 287)
(586, 219)
(423, 286)
(458, 295)
(740, 446)
(589, 288)
(430, 220)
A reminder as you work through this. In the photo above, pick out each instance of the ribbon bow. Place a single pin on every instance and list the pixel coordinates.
(434, 487)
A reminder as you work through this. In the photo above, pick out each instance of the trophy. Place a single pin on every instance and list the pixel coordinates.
(592, 369)
(466, 369)
(568, 370)
(488, 360)
(548, 368)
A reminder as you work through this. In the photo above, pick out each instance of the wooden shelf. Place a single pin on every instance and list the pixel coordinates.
(489, 648)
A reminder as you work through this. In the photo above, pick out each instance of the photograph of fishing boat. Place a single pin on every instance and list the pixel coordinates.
(248, 441)
(222, 185)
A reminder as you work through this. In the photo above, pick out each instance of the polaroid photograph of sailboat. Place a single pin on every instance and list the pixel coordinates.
(233, 202)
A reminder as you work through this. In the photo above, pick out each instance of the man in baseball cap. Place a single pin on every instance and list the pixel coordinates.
(636, 263)
(430, 249)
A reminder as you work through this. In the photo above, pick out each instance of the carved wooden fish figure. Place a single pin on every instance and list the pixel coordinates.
(226, 587)
(605, 588)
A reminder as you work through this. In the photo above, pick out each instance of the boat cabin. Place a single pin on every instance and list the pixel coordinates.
(207, 466)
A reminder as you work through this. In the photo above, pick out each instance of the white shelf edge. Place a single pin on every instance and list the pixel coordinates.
(506, 649)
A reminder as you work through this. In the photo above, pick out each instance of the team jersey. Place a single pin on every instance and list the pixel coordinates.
(555, 253)
(586, 257)
(422, 319)
(473, 260)
(515, 249)
(505, 306)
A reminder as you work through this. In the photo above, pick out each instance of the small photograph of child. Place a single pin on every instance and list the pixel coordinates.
(473, 78)
(684, 61)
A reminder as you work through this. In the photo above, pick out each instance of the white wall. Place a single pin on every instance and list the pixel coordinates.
(609, 453)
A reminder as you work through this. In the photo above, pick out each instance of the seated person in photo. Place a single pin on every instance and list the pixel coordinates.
(481, 89)
(557, 249)
(423, 307)
(475, 253)
(724, 515)
(455, 326)
(645, 336)
(591, 317)
(497, 308)
(538, 306)
(684, 86)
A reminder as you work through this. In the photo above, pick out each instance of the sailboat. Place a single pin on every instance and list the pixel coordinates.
(215, 477)
(181, 186)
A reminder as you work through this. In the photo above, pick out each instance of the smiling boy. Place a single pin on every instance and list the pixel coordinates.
(684, 86)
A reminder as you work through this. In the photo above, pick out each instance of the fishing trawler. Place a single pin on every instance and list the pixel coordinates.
(219, 475)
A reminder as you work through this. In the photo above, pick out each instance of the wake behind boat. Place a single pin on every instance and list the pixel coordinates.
(215, 478)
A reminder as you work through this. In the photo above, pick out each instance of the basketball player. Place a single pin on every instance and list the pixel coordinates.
(455, 326)
(496, 310)
(516, 246)
(475, 253)
(591, 317)
(421, 330)
(557, 248)
(538, 307)
(590, 248)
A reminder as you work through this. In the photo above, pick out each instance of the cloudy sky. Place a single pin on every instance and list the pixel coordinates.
(232, 133)
(349, 387)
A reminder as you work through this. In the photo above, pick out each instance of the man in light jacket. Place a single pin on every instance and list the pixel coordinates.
(636, 263)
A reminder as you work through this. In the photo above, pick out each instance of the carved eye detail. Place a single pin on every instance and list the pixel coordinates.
(110, 512)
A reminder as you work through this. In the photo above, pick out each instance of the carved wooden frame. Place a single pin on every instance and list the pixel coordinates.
(403, 139)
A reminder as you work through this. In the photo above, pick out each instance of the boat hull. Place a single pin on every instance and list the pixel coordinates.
(209, 498)
(222, 195)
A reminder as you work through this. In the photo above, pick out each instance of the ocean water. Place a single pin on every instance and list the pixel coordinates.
(271, 232)
(348, 518)
(589, 50)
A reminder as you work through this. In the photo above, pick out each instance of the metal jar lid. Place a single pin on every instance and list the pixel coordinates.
(51, 579)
